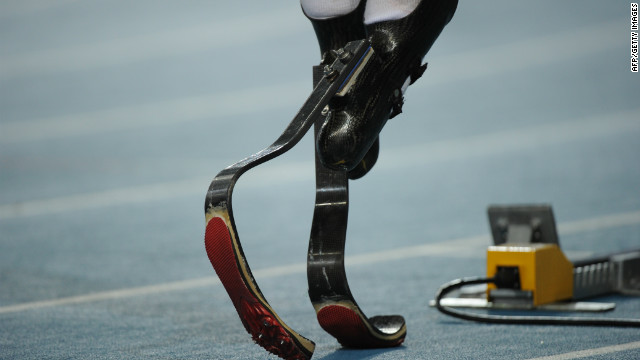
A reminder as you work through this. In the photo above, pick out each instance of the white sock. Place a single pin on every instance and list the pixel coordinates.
(383, 10)
(325, 9)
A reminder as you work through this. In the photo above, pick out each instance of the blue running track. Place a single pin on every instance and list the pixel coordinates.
(116, 115)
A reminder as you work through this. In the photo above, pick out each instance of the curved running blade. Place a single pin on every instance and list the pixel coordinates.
(222, 242)
(337, 311)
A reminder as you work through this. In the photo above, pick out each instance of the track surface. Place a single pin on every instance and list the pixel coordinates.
(115, 116)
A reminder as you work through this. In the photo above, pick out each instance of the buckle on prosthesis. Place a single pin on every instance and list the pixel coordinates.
(397, 97)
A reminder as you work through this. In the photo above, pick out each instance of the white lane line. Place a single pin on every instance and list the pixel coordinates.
(601, 222)
(592, 352)
(213, 35)
(114, 294)
(538, 136)
(213, 106)
(490, 61)
(467, 247)
(391, 159)
(261, 177)
(129, 195)
(219, 105)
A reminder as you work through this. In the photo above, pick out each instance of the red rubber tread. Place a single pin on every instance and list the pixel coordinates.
(349, 328)
(264, 328)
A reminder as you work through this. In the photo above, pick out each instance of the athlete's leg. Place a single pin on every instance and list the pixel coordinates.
(336, 22)
(400, 32)
(325, 9)
(383, 10)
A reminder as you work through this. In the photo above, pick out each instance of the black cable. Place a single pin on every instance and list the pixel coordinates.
(521, 320)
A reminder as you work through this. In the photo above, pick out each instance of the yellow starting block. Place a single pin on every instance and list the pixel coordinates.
(545, 274)
(526, 269)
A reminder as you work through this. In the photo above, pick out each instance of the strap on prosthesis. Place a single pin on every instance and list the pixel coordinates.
(336, 309)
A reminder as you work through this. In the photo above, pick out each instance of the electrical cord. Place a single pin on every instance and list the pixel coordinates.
(520, 320)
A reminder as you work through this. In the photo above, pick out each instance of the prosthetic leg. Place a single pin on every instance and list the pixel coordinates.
(347, 145)
(222, 242)
(337, 311)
